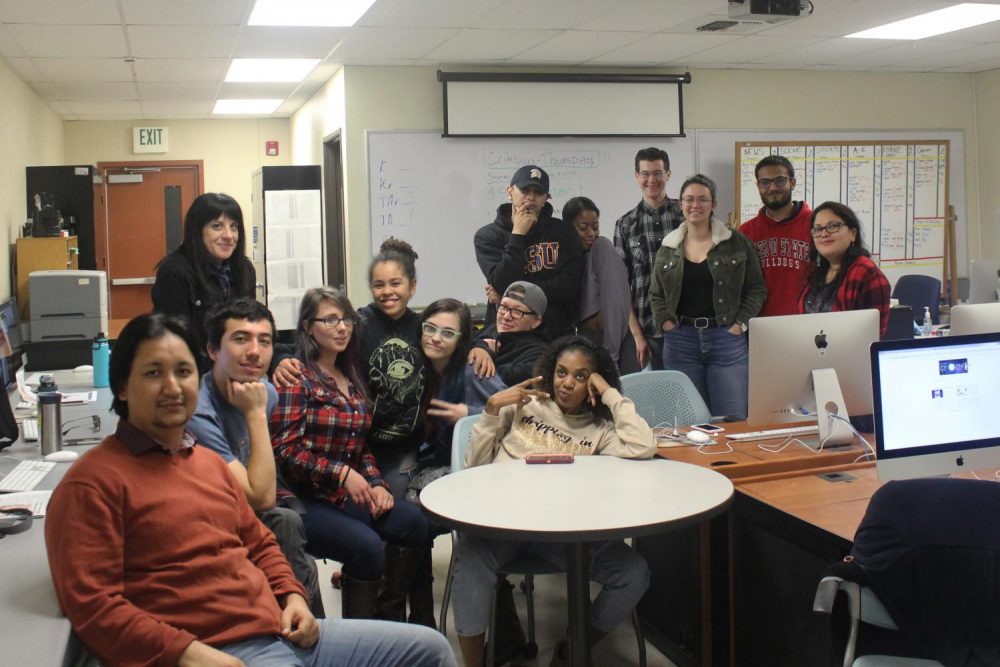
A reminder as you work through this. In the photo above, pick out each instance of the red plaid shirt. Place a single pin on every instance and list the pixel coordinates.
(316, 432)
(864, 286)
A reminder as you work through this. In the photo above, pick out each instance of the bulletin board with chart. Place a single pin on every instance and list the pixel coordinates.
(898, 189)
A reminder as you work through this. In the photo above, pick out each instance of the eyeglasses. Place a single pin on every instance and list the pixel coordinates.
(765, 183)
(514, 313)
(446, 334)
(830, 228)
(332, 321)
(696, 200)
(652, 174)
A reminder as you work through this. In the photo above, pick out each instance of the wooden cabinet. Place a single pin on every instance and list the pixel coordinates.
(41, 254)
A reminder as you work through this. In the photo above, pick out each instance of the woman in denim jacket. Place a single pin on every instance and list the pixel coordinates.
(707, 284)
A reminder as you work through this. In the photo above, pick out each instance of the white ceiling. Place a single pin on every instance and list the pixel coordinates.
(114, 59)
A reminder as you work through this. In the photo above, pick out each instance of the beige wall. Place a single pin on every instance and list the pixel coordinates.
(31, 134)
(232, 149)
(387, 98)
(987, 107)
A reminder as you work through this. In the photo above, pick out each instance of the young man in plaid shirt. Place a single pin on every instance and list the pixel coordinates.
(638, 235)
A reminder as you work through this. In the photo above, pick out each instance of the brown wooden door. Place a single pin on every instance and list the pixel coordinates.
(144, 205)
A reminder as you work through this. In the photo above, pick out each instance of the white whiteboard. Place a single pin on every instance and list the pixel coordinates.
(436, 192)
(898, 191)
(716, 157)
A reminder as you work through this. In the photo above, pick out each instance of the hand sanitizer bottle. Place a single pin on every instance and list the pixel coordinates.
(925, 330)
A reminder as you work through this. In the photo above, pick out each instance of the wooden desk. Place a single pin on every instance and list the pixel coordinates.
(686, 612)
(786, 530)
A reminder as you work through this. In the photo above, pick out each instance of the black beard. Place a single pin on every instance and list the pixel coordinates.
(773, 205)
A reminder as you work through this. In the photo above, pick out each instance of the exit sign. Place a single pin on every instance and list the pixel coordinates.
(149, 140)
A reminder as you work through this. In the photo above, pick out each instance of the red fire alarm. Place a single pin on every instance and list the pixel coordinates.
(271, 148)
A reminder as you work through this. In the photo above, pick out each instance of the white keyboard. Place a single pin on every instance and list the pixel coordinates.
(29, 430)
(773, 434)
(26, 476)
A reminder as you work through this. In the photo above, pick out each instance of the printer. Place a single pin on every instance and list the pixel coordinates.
(68, 310)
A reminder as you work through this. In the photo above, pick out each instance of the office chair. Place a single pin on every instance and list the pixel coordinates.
(919, 292)
(920, 582)
(527, 566)
(662, 396)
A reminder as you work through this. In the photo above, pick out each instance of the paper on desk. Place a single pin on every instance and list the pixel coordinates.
(37, 501)
(29, 396)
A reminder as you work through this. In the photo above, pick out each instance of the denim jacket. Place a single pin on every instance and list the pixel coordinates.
(739, 290)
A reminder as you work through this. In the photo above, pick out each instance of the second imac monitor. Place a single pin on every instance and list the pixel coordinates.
(784, 352)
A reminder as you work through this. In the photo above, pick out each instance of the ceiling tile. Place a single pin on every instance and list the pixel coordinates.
(271, 42)
(750, 49)
(84, 69)
(8, 47)
(425, 14)
(186, 12)
(574, 46)
(100, 108)
(185, 41)
(97, 90)
(48, 91)
(958, 57)
(855, 16)
(900, 53)
(256, 90)
(78, 12)
(180, 69)
(824, 51)
(646, 15)
(177, 90)
(538, 15)
(470, 46)
(25, 68)
(387, 43)
(69, 41)
(156, 108)
(663, 48)
(61, 108)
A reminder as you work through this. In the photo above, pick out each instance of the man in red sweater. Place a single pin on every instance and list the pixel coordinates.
(156, 557)
(781, 233)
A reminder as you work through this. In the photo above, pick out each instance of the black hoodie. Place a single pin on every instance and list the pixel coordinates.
(549, 256)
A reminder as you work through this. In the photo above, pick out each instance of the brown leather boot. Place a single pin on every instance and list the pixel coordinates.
(400, 566)
(358, 596)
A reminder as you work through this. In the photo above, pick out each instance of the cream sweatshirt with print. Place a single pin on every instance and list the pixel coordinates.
(541, 427)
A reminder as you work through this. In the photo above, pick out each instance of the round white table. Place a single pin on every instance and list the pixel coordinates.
(592, 499)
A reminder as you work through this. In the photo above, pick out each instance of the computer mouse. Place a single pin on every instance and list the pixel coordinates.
(698, 437)
(63, 456)
(85, 368)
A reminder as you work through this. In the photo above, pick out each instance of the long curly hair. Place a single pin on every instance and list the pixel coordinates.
(599, 359)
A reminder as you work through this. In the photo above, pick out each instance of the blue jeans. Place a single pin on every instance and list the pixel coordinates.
(351, 643)
(717, 362)
(623, 573)
(351, 536)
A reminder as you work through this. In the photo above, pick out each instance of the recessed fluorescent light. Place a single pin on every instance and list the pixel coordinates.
(309, 13)
(270, 70)
(933, 23)
(246, 106)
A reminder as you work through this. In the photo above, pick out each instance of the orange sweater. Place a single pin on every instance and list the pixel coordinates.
(150, 552)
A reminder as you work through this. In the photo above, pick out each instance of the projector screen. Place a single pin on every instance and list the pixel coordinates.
(578, 105)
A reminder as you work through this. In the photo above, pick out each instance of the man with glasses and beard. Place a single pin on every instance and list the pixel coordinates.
(781, 233)
(638, 235)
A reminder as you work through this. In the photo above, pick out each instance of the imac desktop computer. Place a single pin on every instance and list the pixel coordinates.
(984, 281)
(975, 318)
(806, 367)
(935, 405)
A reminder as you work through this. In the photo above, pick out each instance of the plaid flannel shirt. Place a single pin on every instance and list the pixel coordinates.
(638, 236)
(316, 433)
(864, 286)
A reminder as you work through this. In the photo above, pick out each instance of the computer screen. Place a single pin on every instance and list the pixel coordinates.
(784, 350)
(935, 405)
(984, 280)
(975, 318)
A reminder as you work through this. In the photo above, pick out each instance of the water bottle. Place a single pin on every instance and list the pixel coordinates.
(101, 356)
(50, 416)
(925, 330)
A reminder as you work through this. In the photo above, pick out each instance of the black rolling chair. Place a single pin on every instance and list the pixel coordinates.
(919, 292)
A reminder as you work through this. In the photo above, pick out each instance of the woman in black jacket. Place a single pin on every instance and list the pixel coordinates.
(210, 266)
